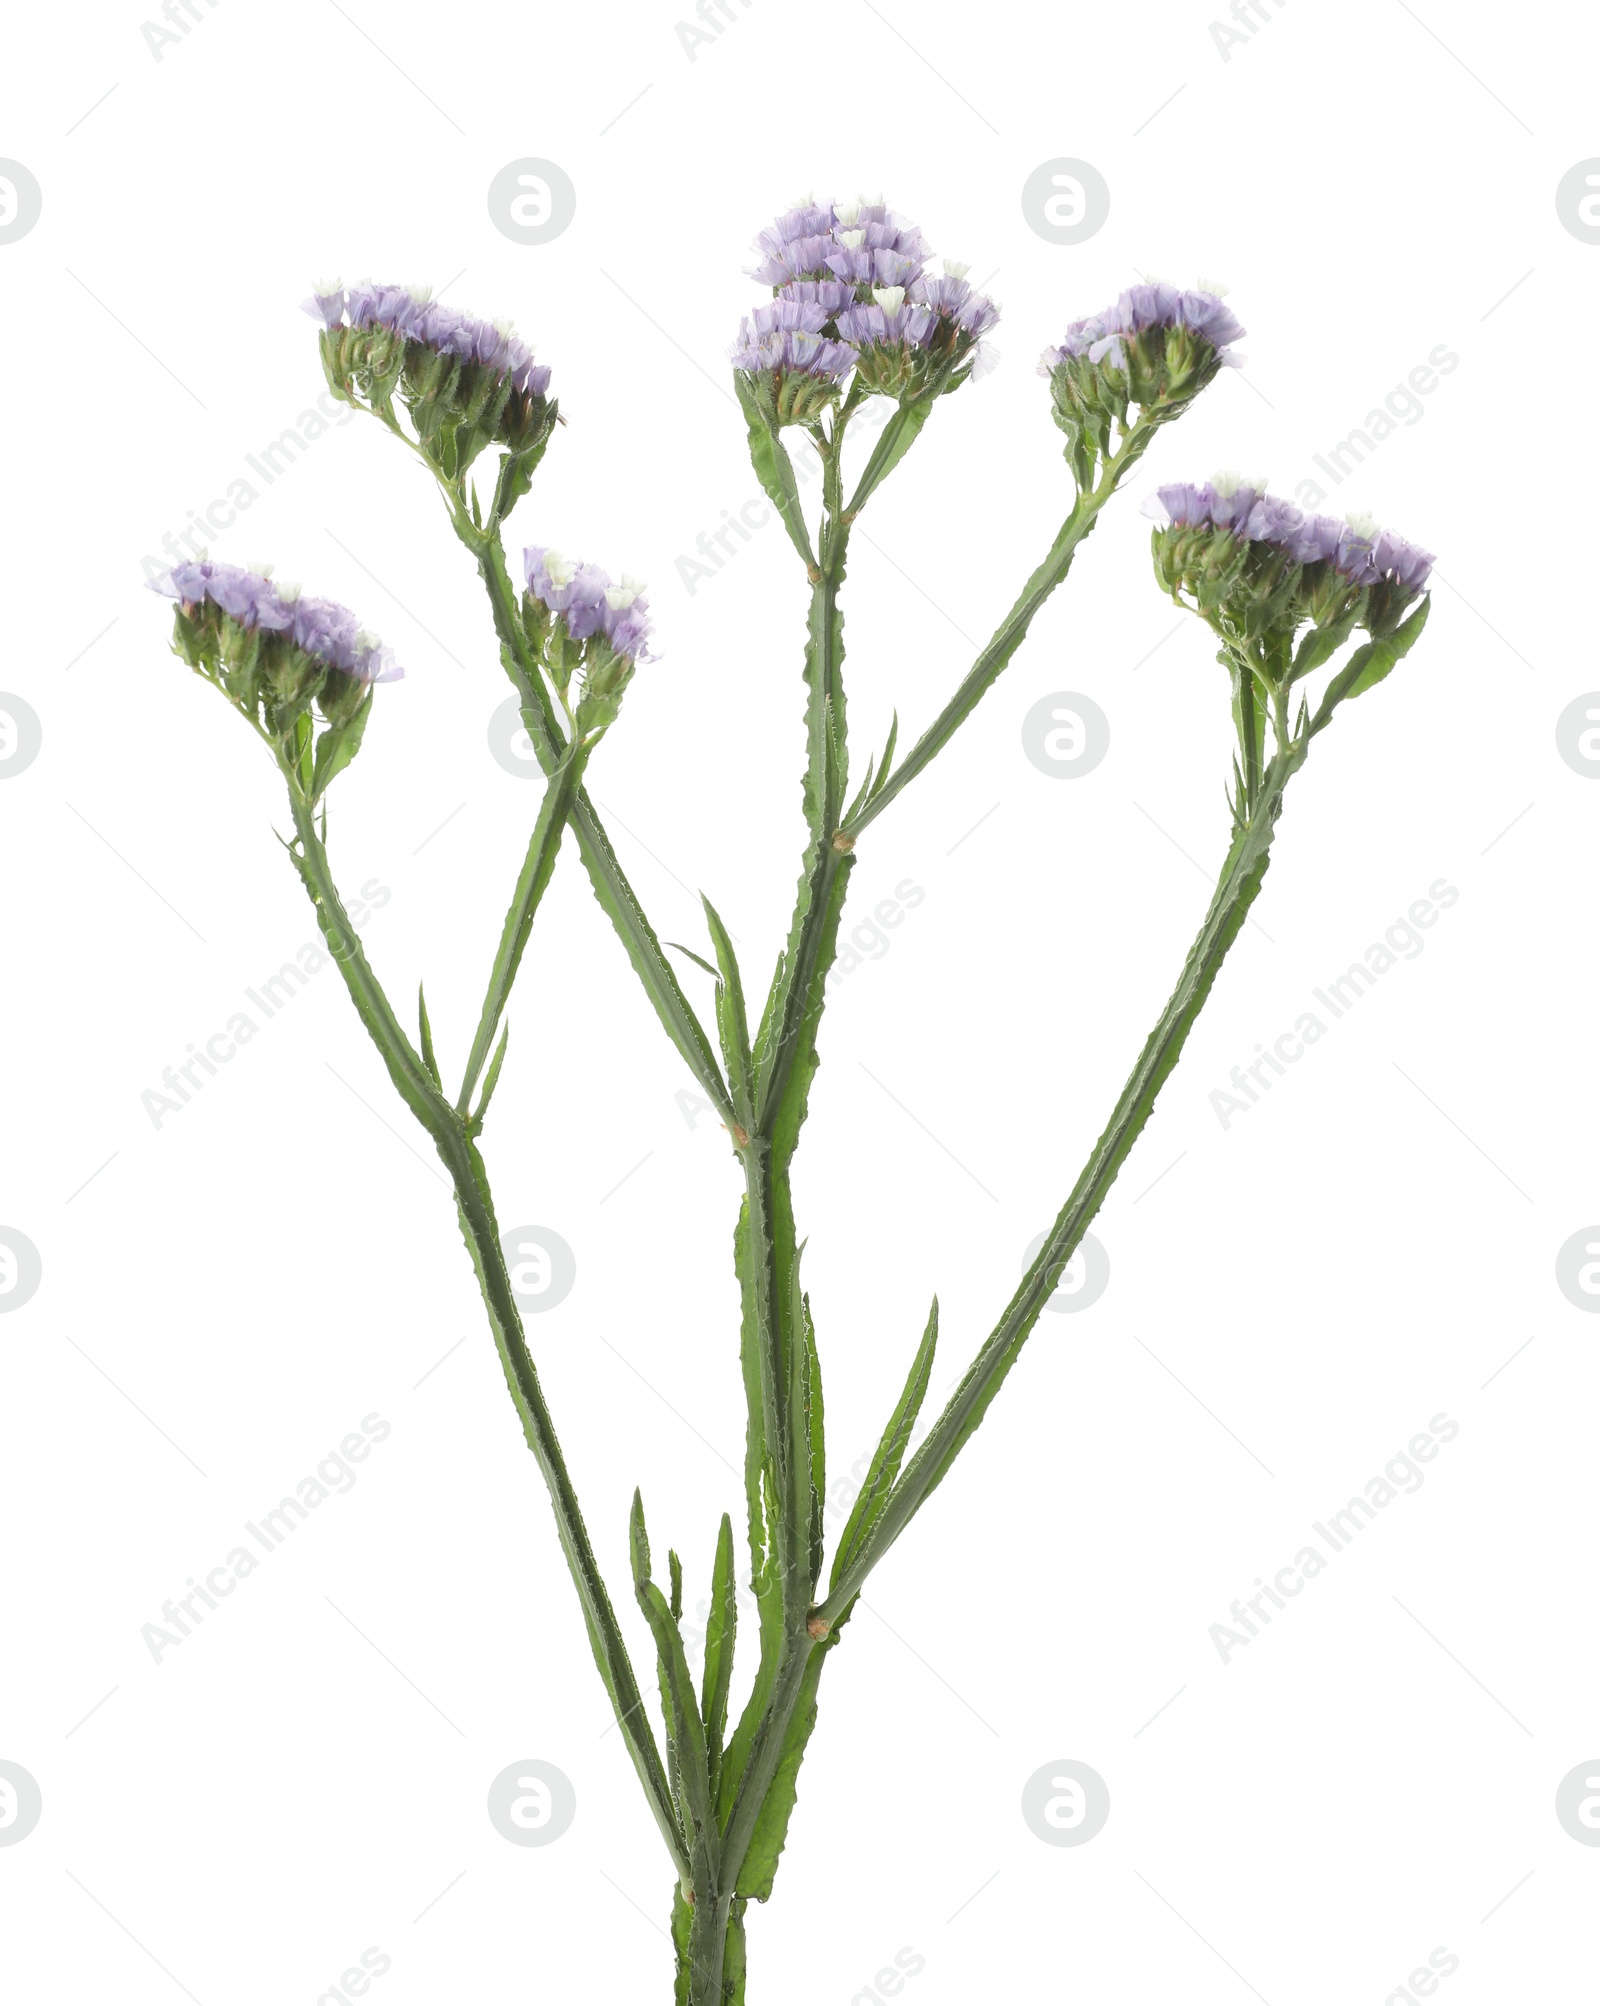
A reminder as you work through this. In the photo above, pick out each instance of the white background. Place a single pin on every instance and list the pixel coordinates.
(1298, 1295)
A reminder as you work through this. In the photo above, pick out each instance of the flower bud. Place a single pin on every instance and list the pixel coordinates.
(1157, 347)
(585, 629)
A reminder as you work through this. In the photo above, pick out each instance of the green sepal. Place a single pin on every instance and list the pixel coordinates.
(774, 469)
(890, 1452)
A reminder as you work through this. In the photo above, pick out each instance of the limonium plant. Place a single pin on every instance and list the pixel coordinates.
(1306, 612)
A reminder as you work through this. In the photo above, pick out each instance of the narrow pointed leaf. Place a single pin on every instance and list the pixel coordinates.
(721, 1627)
(426, 1030)
(774, 468)
(699, 960)
(892, 444)
(683, 1713)
(732, 1026)
(337, 746)
(491, 1078)
(1369, 665)
(890, 1452)
(887, 760)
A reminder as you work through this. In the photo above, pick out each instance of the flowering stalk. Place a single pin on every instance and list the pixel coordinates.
(853, 313)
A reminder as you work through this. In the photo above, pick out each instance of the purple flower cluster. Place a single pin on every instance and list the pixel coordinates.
(1100, 335)
(414, 315)
(1355, 546)
(859, 243)
(589, 603)
(322, 628)
(849, 276)
(787, 333)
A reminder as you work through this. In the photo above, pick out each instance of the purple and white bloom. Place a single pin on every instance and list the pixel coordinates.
(1354, 546)
(322, 628)
(1408, 564)
(887, 318)
(326, 302)
(951, 296)
(859, 243)
(412, 313)
(1141, 307)
(588, 602)
(787, 334)
(851, 292)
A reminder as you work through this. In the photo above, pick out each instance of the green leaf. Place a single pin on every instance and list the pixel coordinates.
(493, 1074)
(699, 960)
(337, 746)
(893, 443)
(684, 1727)
(1320, 645)
(806, 1423)
(888, 754)
(732, 1028)
(774, 469)
(890, 1452)
(1368, 666)
(721, 1627)
(426, 1029)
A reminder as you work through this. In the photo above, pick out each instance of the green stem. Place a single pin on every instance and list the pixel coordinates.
(462, 1160)
(765, 1753)
(611, 886)
(537, 866)
(1236, 890)
(1009, 635)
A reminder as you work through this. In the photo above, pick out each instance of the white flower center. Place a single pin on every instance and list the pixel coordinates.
(1363, 525)
(558, 569)
(852, 240)
(954, 269)
(890, 298)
